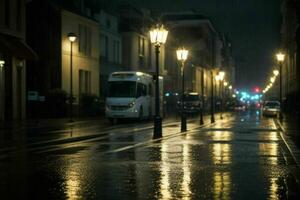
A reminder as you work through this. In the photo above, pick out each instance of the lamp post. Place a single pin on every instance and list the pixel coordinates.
(212, 106)
(158, 36)
(72, 38)
(280, 59)
(181, 57)
(220, 78)
(202, 97)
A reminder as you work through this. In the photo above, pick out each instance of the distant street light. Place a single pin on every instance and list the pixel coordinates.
(158, 36)
(275, 72)
(182, 55)
(72, 38)
(280, 59)
(272, 79)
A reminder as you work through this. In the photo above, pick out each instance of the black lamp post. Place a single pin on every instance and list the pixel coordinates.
(158, 36)
(202, 97)
(220, 78)
(280, 59)
(72, 38)
(212, 106)
(182, 56)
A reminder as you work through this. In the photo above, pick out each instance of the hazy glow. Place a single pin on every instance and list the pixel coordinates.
(276, 72)
(280, 57)
(158, 35)
(72, 37)
(182, 54)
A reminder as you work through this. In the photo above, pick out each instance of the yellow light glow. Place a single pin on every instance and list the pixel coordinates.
(158, 35)
(280, 57)
(222, 75)
(182, 54)
(272, 79)
(218, 78)
(225, 83)
(72, 37)
(275, 72)
(230, 87)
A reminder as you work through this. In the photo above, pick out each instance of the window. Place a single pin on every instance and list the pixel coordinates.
(104, 46)
(84, 82)
(122, 89)
(150, 90)
(19, 15)
(7, 13)
(108, 23)
(141, 90)
(116, 51)
(85, 35)
(141, 46)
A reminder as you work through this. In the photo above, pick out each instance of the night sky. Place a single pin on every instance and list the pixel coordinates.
(253, 26)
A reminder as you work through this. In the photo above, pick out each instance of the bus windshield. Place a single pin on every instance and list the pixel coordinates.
(122, 89)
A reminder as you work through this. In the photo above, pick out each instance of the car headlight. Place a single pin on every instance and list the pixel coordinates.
(131, 104)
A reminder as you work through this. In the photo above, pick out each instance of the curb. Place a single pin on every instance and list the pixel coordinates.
(288, 142)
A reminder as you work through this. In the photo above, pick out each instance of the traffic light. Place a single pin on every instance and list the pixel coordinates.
(256, 89)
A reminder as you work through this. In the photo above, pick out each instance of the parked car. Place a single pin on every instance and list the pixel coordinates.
(271, 108)
(240, 107)
(192, 103)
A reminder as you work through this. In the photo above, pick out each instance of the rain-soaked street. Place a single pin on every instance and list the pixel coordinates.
(242, 156)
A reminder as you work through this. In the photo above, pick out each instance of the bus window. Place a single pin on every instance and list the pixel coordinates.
(150, 90)
(141, 90)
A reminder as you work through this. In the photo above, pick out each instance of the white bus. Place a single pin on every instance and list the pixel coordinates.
(131, 95)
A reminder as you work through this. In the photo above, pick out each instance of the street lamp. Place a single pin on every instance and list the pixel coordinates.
(212, 117)
(72, 38)
(220, 78)
(182, 55)
(275, 72)
(202, 97)
(272, 79)
(158, 36)
(280, 59)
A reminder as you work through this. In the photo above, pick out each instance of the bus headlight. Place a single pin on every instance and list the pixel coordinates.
(131, 104)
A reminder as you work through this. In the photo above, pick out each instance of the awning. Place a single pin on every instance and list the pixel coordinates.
(16, 47)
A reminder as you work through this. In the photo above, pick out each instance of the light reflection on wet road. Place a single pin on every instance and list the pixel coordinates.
(240, 158)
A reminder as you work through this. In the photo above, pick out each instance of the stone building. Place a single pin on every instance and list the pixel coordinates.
(13, 55)
(49, 24)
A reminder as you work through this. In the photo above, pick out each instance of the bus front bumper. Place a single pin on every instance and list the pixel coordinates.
(130, 113)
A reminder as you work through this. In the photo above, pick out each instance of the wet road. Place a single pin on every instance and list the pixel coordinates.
(240, 157)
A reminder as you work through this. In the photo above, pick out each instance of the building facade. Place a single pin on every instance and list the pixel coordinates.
(49, 25)
(110, 47)
(138, 54)
(290, 43)
(13, 55)
(197, 34)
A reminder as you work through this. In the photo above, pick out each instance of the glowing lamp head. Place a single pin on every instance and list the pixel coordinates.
(272, 79)
(230, 87)
(222, 75)
(182, 54)
(225, 84)
(280, 57)
(72, 37)
(275, 72)
(2, 62)
(158, 35)
(218, 77)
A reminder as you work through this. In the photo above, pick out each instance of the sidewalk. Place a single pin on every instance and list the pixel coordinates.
(291, 135)
(19, 125)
